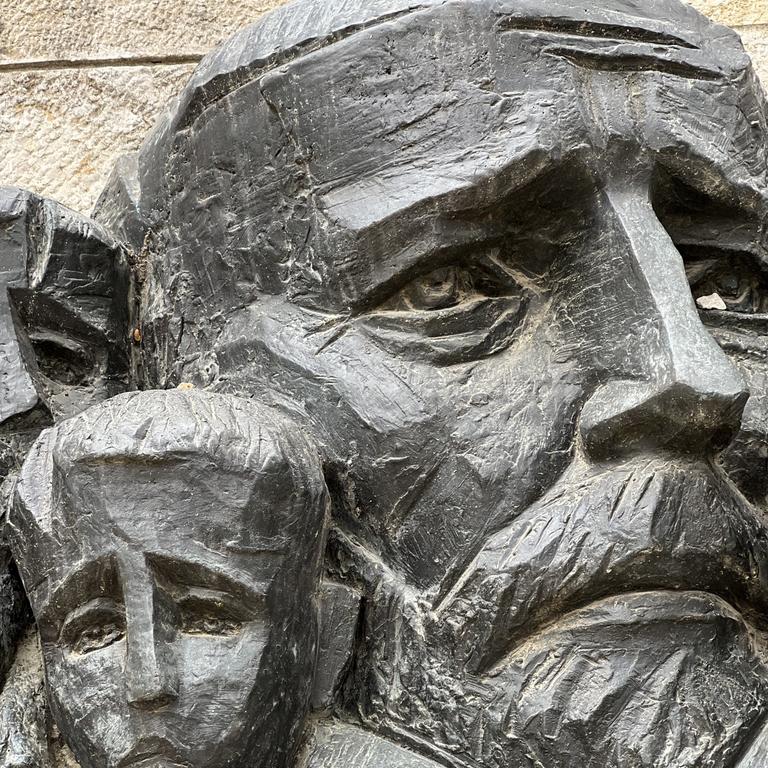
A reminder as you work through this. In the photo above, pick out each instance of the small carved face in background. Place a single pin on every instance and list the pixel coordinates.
(181, 537)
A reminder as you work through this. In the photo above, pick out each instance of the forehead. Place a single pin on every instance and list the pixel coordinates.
(368, 135)
(189, 511)
(427, 105)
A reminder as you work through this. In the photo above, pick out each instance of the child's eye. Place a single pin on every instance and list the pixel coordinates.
(96, 625)
(207, 612)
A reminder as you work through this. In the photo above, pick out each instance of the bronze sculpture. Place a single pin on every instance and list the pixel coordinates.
(460, 246)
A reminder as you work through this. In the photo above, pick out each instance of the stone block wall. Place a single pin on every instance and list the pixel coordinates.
(81, 82)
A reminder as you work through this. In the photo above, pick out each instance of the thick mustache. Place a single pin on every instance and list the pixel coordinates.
(648, 524)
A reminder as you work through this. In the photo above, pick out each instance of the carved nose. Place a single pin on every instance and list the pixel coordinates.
(151, 697)
(150, 667)
(630, 417)
(688, 396)
(151, 676)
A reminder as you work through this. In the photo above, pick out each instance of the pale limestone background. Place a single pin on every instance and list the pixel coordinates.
(81, 81)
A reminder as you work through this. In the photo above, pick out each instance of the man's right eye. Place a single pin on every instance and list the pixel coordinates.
(728, 282)
(94, 626)
(452, 314)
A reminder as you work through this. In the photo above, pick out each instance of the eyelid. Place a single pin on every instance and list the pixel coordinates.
(236, 607)
(75, 621)
(480, 253)
(485, 265)
(177, 577)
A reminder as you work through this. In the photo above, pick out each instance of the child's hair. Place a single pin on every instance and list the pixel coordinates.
(232, 434)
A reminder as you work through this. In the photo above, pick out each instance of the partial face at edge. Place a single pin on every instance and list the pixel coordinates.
(179, 609)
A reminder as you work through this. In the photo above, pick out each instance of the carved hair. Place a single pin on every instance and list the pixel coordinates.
(237, 435)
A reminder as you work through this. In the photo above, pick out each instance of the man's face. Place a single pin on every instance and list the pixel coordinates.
(165, 642)
(500, 233)
(507, 237)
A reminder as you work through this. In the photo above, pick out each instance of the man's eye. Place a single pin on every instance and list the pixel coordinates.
(452, 314)
(732, 283)
(441, 289)
(210, 614)
(97, 625)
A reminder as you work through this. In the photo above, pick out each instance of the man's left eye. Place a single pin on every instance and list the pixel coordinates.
(733, 283)
(452, 314)
(205, 612)
(441, 289)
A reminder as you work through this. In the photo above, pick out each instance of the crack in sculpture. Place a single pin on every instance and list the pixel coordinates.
(587, 28)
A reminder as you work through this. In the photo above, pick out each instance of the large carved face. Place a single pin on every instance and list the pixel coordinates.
(179, 537)
(463, 243)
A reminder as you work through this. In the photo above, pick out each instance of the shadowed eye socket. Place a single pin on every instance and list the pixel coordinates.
(211, 612)
(449, 287)
(444, 288)
(94, 626)
(454, 313)
(727, 282)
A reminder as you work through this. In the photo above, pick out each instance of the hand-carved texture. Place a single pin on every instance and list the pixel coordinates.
(480, 288)
(63, 122)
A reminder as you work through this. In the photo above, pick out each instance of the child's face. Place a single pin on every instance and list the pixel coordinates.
(168, 634)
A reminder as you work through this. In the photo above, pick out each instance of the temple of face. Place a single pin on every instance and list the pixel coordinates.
(458, 246)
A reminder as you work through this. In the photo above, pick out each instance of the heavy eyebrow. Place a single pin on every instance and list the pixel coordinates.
(398, 200)
(227, 578)
(413, 233)
(95, 578)
(586, 28)
(711, 179)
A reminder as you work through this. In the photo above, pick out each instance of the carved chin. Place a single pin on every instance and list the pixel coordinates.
(618, 622)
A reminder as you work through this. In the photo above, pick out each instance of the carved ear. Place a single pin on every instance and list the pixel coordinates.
(77, 280)
(29, 527)
(18, 393)
(118, 209)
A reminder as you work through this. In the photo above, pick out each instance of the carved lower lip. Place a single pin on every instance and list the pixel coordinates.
(150, 752)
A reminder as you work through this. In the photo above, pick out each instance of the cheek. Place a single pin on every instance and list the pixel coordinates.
(746, 458)
(219, 673)
(346, 385)
(88, 694)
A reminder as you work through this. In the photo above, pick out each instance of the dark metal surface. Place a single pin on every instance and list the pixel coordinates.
(450, 318)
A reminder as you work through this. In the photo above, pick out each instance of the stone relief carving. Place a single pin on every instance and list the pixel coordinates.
(402, 403)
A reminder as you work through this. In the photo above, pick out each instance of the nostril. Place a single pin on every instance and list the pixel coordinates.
(630, 417)
(721, 439)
